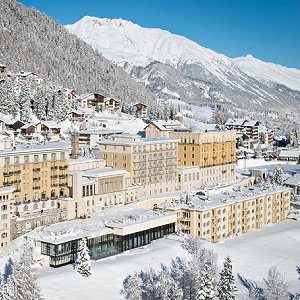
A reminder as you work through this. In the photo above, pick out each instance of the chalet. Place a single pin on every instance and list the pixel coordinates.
(245, 126)
(51, 128)
(289, 155)
(111, 104)
(90, 100)
(162, 128)
(22, 77)
(140, 110)
(29, 130)
(70, 94)
(2, 68)
(80, 116)
(10, 124)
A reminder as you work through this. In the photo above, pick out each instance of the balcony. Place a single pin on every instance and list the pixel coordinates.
(53, 176)
(63, 167)
(17, 172)
(54, 167)
(62, 176)
(36, 169)
(7, 174)
(36, 178)
(36, 188)
(63, 184)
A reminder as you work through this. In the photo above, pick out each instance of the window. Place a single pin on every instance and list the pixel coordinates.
(4, 217)
(62, 155)
(53, 156)
(26, 159)
(16, 159)
(35, 158)
(44, 157)
(6, 160)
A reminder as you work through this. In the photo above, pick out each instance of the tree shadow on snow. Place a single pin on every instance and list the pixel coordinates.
(254, 291)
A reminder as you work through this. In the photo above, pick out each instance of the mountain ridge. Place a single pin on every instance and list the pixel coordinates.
(136, 49)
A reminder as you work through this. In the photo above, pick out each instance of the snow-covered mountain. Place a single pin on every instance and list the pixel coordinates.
(174, 65)
(269, 71)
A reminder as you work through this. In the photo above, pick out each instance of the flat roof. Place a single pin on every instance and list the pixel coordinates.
(203, 200)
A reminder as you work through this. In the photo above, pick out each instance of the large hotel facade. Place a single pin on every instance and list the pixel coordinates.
(151, 162)
(223, 214)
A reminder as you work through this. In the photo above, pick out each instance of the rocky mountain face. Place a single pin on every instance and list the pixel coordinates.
(31, 41)
(173, 66)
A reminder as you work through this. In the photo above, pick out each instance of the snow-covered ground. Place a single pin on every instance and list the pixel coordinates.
(253, 254)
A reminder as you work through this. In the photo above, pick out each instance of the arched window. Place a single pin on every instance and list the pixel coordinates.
(53, 194)
(43, 195)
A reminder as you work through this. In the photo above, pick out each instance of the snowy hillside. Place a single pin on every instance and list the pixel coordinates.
(269, 71)
(170, 64)
(138, 45)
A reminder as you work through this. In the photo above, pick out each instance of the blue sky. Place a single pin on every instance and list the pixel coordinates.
(267, 29)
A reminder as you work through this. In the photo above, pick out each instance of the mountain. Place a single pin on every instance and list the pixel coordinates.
(269, 72)
(31, 41)
(171, 65)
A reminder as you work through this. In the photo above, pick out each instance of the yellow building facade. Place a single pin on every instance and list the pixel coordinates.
(38, 174)
(217, 217)
(205, 149)
(6, 205)
(151, 162)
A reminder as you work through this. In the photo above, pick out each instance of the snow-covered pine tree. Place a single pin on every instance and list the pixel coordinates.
(132, 289)
(83, 261)
(61, 107)
(25, 103)
(226, 286)
(276, 286)
(8, 98)
(204, 285)
(278, 176)
(40, 101)
(166, 286)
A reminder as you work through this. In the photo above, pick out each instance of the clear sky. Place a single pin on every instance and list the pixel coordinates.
(267, 29)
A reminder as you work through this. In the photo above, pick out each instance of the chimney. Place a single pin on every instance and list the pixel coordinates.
(74, 145)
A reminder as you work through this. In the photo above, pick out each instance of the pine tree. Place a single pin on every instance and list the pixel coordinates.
(61, 107)
(278, 176)
(83, 262)
(226, 286)
(132, 289)
(25, 103)
(204, 285)
(276, 286)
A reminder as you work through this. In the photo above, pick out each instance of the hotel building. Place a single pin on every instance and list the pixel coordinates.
(151, 162)
(222, 214)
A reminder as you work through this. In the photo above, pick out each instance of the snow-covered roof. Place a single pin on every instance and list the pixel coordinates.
(25, 148)
(103, 172)
(293, 180)
(50, 124)
(29, 125)
(162, 125)
(84, 96)
(221, 198)
(23, 74)
(289, 153)
(241, 122)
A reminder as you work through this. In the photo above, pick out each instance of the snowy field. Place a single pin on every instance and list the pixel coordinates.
(252, 254)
